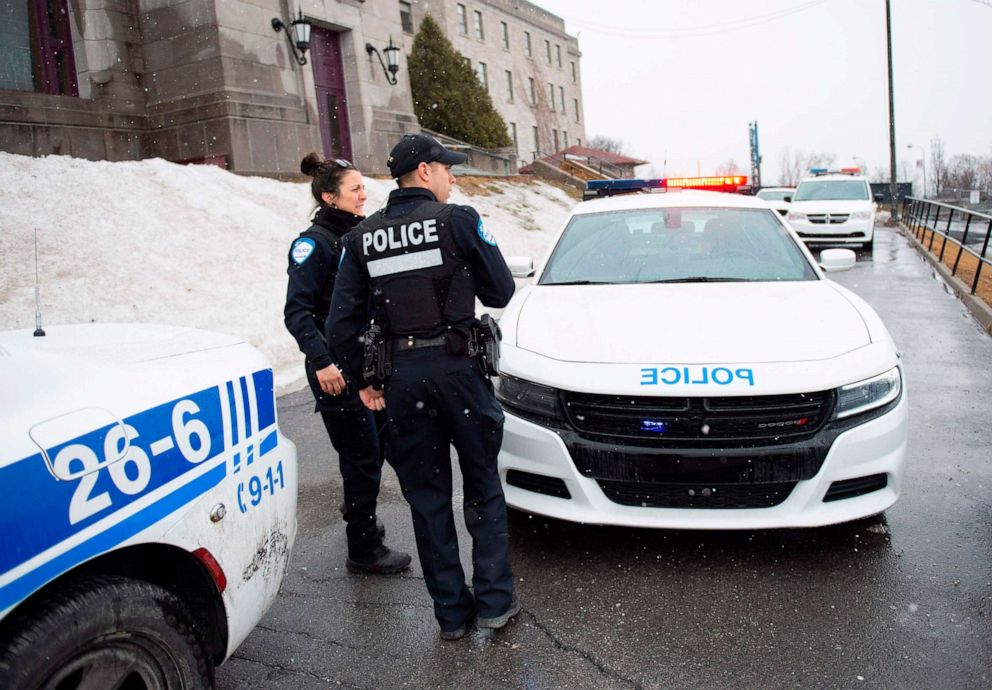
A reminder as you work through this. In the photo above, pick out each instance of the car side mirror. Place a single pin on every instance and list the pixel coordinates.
(833, 260)
(787, 199)
(520, 266)
(879, 198)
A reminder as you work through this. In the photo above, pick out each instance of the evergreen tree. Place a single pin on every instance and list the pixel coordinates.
(447, 96)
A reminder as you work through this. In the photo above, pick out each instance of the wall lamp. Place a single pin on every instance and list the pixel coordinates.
(300, 38)
(392, 58)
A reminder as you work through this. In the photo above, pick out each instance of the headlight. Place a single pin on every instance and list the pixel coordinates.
(862, 396)
(861, 215)
(795, 215)
(528, 397)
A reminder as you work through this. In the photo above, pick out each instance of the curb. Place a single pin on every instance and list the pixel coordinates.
(981, 311)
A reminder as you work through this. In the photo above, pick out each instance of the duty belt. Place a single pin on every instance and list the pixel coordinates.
(414, 343)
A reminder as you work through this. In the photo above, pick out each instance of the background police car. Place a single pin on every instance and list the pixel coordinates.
(149, 506)
(692, 392)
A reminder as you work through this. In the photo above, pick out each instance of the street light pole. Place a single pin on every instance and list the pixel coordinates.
(893, 187)
(923, 160)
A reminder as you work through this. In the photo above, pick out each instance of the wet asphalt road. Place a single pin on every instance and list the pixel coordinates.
(906, 603)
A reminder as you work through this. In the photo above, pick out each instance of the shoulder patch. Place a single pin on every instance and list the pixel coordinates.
(485, 235)
(302, 250)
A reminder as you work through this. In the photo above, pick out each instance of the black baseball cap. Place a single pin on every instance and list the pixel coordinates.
(414, 149)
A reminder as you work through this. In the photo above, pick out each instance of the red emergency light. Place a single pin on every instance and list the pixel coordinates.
(720, 183)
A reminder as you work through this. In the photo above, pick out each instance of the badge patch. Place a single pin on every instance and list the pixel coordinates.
(302, 249)
(486, 236)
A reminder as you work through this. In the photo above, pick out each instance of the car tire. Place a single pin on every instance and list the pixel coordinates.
(106, 632)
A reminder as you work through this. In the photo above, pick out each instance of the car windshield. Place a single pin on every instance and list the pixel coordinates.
(832, 190)
(774, 194)
(690, 244)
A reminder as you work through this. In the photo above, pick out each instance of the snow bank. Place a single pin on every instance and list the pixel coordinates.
(196, 246)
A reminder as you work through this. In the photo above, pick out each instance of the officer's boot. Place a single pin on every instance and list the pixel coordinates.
(380, 561)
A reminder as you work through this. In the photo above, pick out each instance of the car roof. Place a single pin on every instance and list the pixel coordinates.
(833, 176)
(687, 198)
(775, 189)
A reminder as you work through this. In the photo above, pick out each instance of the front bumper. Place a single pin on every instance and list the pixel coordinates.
(875, 449)
(848, 232)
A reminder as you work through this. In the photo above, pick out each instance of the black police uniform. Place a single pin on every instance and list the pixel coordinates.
(313, 265)
(423, 264)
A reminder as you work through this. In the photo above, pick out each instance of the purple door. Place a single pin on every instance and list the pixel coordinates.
(332, 104)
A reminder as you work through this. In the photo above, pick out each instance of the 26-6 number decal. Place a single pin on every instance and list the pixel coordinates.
(132, 472)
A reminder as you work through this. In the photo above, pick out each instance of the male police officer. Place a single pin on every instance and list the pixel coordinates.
(422, 262)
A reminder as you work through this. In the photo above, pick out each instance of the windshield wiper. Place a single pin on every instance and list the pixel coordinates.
(698, 279)
(579, 282)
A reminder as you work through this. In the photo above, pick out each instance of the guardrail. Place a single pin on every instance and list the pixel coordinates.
(922, 217)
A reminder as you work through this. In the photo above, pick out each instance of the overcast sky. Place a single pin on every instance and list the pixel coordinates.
(679, 80)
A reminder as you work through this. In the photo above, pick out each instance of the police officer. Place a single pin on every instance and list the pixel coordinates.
(339, 191)
(423, 262)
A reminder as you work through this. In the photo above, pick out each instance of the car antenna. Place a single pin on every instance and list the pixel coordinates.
(38, 330)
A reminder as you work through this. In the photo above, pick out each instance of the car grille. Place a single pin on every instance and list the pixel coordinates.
(832, 235)
(828, 218)
(697, 495)
(675, 421)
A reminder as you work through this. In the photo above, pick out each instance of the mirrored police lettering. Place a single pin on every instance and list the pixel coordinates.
(415, 233)
(695, 376)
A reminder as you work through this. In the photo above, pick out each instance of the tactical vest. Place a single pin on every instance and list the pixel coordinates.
(419, 276)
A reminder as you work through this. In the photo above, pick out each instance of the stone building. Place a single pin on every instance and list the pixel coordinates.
(528, 64)
(212, 81)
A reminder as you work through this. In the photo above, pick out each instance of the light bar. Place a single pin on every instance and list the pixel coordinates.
(817, 171)
(729, 183)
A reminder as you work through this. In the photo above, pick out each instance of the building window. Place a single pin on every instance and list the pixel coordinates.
(406, 16)
(537, 143)
(509, 86)
(564, 139)
(480, 71)
(479, 33)
(462, 20)
(467, 61)
(504, 35)
(36, 48)
(551, 97)
(575, 107)
(530, 91)
(527, 50)
(574, 73)
(578, 141)
(554, 135)
(558, 54)
(561, 99)
(547, 50)
(513, 134)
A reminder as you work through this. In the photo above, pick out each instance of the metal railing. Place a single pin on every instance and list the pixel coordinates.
(922, 217)
(499, 162)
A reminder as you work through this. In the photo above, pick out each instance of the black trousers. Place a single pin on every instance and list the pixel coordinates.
(434, 400)
(354, 432)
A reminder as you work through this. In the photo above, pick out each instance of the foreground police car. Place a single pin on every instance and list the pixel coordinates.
(149, 505)
(681, 362)
(835, 207)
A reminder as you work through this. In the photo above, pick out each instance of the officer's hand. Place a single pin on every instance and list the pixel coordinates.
(373, 399)
(330, 379)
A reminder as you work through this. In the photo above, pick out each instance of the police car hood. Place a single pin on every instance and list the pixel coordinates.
(714, 323)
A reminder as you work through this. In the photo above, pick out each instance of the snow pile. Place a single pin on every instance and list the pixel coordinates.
(157, 242)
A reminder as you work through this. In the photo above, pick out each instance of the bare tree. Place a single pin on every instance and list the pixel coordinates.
(729, 167)
(985, 174)
(963, 172)
(604, 143)
(938, 165)
(794, 165)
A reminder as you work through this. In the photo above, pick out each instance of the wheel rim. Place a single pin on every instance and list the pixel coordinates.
(113, 666)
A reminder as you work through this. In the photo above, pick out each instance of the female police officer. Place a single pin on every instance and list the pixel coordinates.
(423, 262)
(313, 262)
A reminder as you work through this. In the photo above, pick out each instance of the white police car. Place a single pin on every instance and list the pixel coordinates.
(681, 361)
(776, 197)
(149, 505)
(835, 207)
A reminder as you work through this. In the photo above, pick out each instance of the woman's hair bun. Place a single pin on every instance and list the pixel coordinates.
(311, 164)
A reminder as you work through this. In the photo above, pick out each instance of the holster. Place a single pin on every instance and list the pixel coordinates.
(377, 362)
(483, 344)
